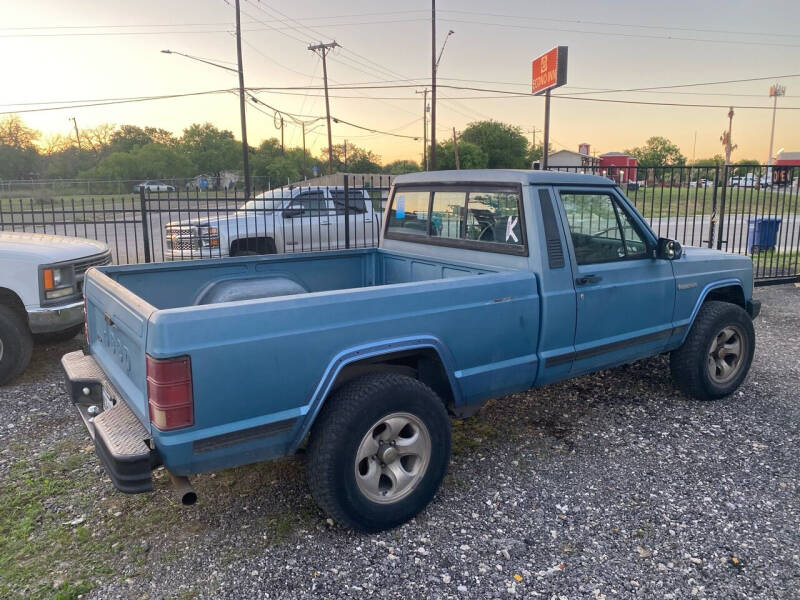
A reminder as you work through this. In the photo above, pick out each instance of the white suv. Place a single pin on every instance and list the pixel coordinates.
(278, 221)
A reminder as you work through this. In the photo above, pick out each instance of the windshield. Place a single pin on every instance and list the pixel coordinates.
(265, 204)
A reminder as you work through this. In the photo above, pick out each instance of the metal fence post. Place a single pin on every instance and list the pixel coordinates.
(713, 223)
(145, 226)
(722, 206)
(346, 213)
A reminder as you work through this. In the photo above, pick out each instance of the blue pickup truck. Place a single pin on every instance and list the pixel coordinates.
(485, 283)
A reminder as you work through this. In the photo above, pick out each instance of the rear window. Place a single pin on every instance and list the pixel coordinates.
(486, 218)
(356, 202)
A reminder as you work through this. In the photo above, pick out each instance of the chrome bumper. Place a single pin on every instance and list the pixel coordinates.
(55, 318)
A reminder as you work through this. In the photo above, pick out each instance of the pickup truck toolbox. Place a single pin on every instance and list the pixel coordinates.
(484, 283)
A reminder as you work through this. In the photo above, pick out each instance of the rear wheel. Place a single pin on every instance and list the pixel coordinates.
(717, 354)
(16, 344)
(378, 451)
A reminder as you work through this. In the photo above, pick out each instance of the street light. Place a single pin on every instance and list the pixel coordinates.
(202, 60)
(434, 68)
(245, 161)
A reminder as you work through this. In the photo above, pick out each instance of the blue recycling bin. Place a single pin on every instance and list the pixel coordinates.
(762, 234)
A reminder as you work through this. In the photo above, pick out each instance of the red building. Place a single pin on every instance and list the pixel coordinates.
(618, 166)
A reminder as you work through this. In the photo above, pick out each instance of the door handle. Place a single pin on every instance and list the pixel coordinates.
(588, 279)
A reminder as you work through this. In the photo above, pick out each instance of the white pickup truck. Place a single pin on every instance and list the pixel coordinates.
(296, 219)
(41, 292)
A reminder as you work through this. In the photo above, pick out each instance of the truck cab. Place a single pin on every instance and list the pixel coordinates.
(288, 219)
(485, 283)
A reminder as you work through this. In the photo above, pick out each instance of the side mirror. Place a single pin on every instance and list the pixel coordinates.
(668, 249)
(291, 213)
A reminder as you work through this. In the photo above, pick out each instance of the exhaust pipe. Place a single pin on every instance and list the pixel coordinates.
(183, 489)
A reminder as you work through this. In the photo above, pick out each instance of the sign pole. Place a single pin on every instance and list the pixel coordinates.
(545, 149)
(548, 71)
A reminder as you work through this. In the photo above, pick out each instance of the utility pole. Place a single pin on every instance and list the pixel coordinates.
(425, 109)
(433, 86)
(345, 155)
(455, 148)
(303, 123)
(322, 50)
(774, 91)
(281, 134)
(245, 148)
(78, 135)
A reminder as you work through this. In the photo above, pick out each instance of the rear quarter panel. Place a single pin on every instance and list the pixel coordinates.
(262, 362)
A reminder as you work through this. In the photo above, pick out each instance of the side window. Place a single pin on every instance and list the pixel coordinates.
(409, 214)
(447, 214)
(312, 202)
(601, 230)
(494, 217)
(356, 204)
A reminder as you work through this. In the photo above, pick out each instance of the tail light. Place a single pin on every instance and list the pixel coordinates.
(169, 392)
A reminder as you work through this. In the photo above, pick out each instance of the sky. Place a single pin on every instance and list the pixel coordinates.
(88, 49)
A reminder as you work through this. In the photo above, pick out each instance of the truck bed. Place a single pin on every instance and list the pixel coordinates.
(266, 363)
(180, 284)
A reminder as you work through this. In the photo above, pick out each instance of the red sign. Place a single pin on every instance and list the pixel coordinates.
(549, 70)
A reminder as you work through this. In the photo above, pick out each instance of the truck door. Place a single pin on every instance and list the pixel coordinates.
(363, 228)
(307, 223)
(625, 297)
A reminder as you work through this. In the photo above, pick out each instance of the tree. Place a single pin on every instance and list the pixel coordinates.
(398, 167)
(151, 161)
(536, 153)
(745, 166)
(210, 149)
(505, 146)
(18, 163)
(470, 156)
(98, 138)
(658, 151)
(359, 160)
(14, 133)
(715, 161)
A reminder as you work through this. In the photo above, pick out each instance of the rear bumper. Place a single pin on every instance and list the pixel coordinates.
(55, 318)
(120, 440)
(753, 308)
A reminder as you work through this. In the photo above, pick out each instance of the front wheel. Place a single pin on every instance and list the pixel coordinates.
(378, 451)
(716, 355)
(16, 344)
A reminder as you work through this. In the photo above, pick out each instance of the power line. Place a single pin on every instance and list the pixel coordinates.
(625, 35)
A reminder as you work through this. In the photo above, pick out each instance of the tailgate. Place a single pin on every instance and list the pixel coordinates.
(117, 321)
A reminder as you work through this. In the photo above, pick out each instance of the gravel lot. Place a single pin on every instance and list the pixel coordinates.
(612, 485)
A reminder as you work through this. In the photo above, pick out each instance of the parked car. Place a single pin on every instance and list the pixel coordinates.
(485, 283)
(152, 185)
(41, 294)
(702, 182)
(282, 220)
(745, 181)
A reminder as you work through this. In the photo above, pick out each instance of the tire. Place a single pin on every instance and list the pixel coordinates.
(57, 336)
(350, 424)
(16, 345)
(699, 368)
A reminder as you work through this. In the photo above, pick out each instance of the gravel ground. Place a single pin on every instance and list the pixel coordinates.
(611, 485)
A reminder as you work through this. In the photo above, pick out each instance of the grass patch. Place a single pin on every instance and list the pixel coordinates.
(59, 535)
(657, 202)
(470, 433)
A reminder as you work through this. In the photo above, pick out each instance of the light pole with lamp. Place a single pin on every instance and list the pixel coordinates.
(245, 157)
(434, 68)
